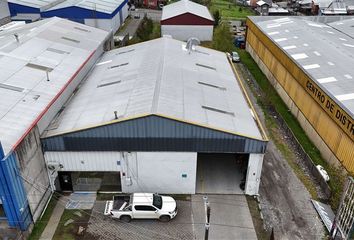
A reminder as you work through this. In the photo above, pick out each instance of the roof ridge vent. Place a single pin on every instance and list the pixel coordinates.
(191, 43)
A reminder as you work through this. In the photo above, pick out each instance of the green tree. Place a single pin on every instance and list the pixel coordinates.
(216, 15)
(145, 29)
(222, 39)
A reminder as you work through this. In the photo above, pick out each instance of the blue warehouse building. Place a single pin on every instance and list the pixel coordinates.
(107, 15)
(39, 72)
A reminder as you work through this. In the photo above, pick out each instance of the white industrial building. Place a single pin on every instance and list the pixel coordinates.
(178, 124)
(107, 15)
(4, 12)
(185, 19)
(41, 64)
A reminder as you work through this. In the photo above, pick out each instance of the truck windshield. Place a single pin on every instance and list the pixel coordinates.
(157, 201)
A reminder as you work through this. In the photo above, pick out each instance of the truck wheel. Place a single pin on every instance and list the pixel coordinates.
(165, 218)
(125, 218)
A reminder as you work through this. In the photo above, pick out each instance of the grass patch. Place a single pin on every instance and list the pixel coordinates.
(229, 10)
(42, 223)
(272, 98)
(69, 232)
(262, 234)
(146, 31)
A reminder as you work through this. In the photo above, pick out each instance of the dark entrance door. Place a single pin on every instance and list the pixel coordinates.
(65, 181)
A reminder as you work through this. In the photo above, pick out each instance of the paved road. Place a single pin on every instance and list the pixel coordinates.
(285, 201)
(155, 15)
(131, 28)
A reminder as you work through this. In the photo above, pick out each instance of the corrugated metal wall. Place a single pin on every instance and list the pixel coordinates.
(153, 133)
(291, 78)
(85, 161)
(13, 194)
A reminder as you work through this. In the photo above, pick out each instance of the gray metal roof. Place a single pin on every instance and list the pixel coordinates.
(324, 51)
(160, 77)
(339, 7)
(55, 45)
(185, 6)
(106, 6)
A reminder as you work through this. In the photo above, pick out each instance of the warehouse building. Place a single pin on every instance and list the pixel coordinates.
(185, 19)
(310, 64)
(4, 13)
(40, 64)
(108, 15)
(178, 124)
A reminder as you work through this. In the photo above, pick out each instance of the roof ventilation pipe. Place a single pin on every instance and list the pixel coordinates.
(115, 115)
(191, 43)
(17, 38)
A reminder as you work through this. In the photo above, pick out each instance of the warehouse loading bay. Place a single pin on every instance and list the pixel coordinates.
(221, 173)
(217, 173)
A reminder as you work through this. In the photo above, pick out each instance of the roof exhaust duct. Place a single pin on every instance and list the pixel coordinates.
(191, 43)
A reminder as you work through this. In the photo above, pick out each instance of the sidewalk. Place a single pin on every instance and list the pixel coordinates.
(52, 225)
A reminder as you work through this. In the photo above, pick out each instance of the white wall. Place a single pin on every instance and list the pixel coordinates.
(104, 24)
(109, 24)
(82, 161)
(254, 170)
(4, 9)
(34, 172)
(85, 161)
(183, 32)
(159, 172)
(125, 11)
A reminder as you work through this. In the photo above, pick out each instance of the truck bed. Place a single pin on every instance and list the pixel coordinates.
(119, 200)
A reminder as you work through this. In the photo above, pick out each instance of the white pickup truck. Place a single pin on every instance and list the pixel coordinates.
(141, 206)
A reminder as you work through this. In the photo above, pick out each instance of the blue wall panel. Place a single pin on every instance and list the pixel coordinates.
(13, 194)
(153, 133)
(17, 8)
(81, 13)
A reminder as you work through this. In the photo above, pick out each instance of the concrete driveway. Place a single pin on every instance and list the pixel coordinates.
(230, 217)
(230, 220)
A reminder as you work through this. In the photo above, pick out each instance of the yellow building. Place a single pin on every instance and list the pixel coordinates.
(311, 65)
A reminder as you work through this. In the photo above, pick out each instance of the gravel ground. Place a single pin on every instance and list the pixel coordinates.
(285, 201)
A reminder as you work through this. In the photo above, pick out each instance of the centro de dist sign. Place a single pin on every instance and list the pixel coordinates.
(335, 112)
